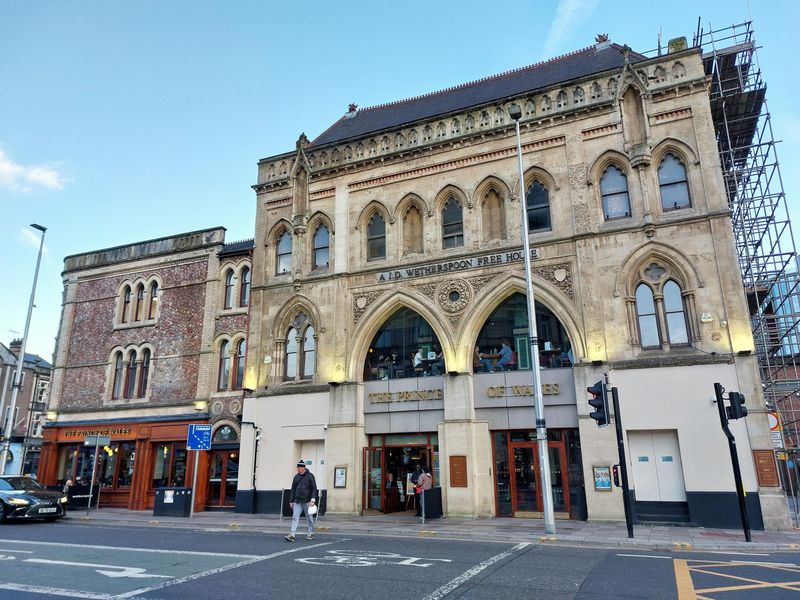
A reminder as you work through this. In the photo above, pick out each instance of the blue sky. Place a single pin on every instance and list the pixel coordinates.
(121, 122)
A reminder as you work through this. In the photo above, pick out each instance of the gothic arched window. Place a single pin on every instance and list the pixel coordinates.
(321, 248)
(614, 190)
(283, 262)
(224, 376)
(244, 290)
(452, 224)
(537, 201)
(672, 184)
(376, 238)
(228, 289)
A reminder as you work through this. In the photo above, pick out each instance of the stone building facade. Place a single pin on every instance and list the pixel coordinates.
(152, 338)
(389, 247)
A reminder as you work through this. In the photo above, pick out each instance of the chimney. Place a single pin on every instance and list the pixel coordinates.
(15, 347)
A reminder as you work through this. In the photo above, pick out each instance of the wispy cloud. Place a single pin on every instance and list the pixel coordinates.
(24, 178)
(570, 15)
(29, 238)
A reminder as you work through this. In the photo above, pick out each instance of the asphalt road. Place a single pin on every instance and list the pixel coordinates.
(56, 560)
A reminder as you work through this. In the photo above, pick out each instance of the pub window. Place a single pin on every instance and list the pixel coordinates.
(376, 238)
(151, 311)
(537, 202)
(116, 465)
(244, 290)
(321, 247)
(139, 307)
(238, 368)
(144, 373)
(283, 263)
(673, 184)
(126, 304)
(614, 190)
(130, 376)
(169, 468)
(647, 318)
(228, 288)
(452, 224)
(116, 388)
(224, 366)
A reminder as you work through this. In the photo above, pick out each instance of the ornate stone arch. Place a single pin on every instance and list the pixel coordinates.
(409, 202)
(226, 422)
(288, 312)
(317, 219)
(377, 314)
(371, 208)
(679, 148)
(602, 161)
(492, 226)
(629, 273)
(277, 229)
(448, 191)
(501, 289)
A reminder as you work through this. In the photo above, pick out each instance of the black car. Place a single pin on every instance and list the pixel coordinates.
(26, 498)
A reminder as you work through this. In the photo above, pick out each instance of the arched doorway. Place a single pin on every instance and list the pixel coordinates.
(223, 468)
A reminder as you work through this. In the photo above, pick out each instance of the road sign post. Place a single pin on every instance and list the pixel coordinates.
(197, 438)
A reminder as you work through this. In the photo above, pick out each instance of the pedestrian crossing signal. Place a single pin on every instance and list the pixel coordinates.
(599, 401)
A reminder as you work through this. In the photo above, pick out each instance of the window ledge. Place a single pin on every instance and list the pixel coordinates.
(135, 324)
(230, 312)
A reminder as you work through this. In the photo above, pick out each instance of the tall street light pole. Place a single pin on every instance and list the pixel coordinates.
(9, 425)
(541, 427)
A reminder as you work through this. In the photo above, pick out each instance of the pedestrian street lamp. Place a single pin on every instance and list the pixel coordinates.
(9, 424)
(515, 113)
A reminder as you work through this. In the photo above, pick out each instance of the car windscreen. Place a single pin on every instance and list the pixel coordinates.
(19, 483)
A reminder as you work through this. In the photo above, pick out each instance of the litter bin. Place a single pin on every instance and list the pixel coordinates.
(173, 502)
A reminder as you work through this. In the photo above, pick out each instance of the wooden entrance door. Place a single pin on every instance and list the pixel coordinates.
(526, 492)
(223, 478)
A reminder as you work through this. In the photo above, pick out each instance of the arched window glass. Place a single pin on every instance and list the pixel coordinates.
(646, 314)
(614, 189)
(130, 378)
(223, 380)
(673, 184)
(228, 289)
(452, 224)
(283, 263)
(494, 220)
(116, 389)
(321, 247)
(404, 346)
(412, 231)
(126, 304)
(151, 311)
(244, 290)
(537, 201)
(676, 317)
(144, 373)
(139, 307)
(226, 433)
(241, 350)
(309, 353)
(376, 238)
(291, 354)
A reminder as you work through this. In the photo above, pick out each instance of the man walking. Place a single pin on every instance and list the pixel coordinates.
(301, 498)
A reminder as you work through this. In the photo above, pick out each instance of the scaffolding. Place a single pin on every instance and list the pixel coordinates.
(762, 230)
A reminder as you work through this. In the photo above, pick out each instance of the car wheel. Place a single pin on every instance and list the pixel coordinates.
(3, 512)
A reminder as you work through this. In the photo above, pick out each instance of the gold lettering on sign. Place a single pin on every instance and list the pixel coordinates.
(501, 391)
(84, 432)
(405, 396)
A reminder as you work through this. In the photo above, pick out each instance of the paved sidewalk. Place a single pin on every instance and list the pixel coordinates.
(575, 533)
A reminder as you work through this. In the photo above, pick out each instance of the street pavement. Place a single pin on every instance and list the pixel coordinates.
(113, 561)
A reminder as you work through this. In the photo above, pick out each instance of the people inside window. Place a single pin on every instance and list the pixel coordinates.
(244, 289)
(503, 342)
(614, 190)
(321, 248)
(452, 224)
(404, 346)
(537, 202)
(376, 238)
(283, 262)
(672, 183)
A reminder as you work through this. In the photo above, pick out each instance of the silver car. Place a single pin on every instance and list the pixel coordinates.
(26, 498)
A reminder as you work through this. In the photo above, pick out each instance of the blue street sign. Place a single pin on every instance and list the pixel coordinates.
(199, 437)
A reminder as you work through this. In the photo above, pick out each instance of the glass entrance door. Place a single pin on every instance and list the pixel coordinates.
(373, 478)
(223, 478)
(526, 493)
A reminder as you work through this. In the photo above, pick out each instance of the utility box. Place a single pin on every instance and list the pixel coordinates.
(173, 502)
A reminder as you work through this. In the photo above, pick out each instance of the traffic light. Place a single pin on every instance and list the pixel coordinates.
(599, 401)
(737, 409)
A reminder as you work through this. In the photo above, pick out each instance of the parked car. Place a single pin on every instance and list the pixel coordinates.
(26, 498)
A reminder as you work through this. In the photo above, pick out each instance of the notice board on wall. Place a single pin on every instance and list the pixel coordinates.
(766, 470)
(458, 471)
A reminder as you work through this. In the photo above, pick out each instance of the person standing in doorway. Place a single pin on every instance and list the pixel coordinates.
(301, 498)
(424, 482)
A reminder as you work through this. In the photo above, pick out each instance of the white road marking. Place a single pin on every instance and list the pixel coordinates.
(243, 563)
(469, 574)
(646, 556)
(16, 551)
(736, 553)
(37, 589)
(366, 558)
(148, 550)
(119, 571)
